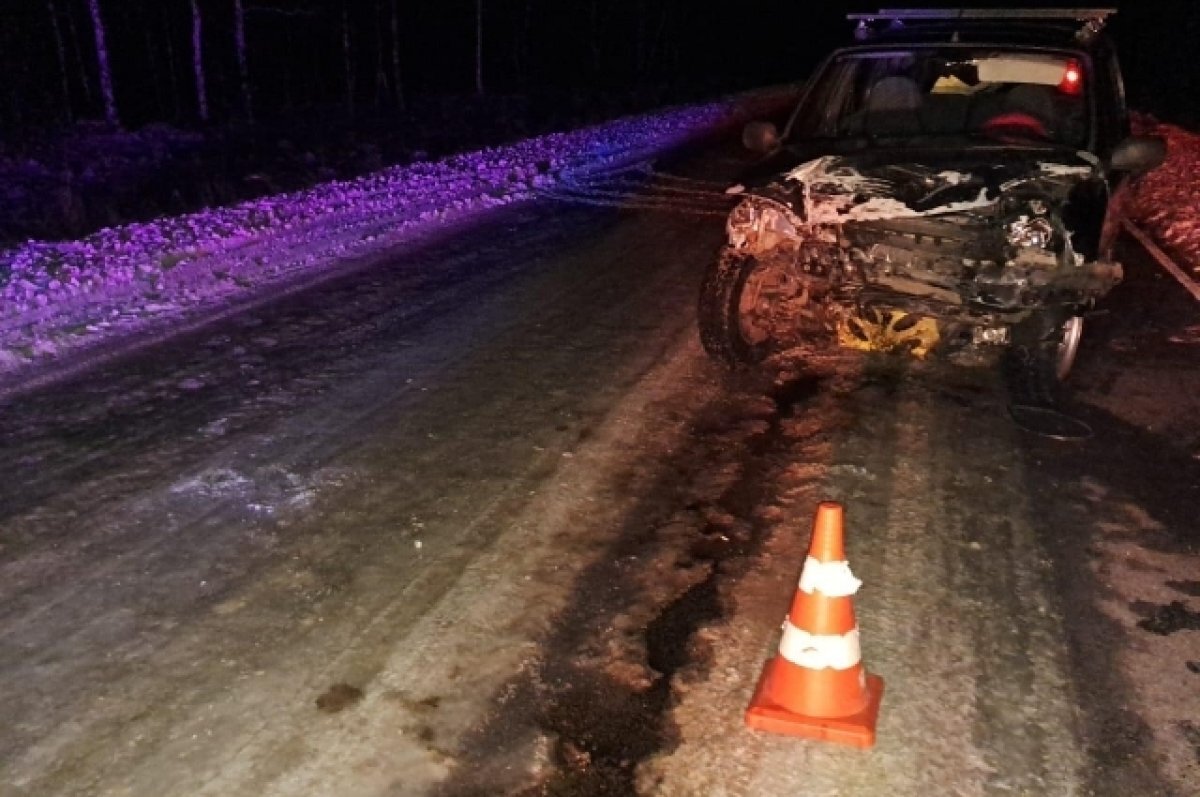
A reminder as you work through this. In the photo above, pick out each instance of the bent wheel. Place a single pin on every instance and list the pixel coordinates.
(742, 305)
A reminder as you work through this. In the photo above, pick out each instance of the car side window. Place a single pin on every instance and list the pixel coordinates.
(1110, 101)
(829, 102)
(856, 94)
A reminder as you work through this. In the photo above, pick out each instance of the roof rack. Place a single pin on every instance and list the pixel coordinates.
(1077, 14)
(1092, 19)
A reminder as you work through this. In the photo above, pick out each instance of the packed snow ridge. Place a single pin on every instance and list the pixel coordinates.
(61, 296)
(1166, 202)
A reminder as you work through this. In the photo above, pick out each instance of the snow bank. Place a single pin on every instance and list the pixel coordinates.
(58, 296)
(1166, 202)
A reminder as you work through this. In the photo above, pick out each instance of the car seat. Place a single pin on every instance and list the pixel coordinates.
(945, 113)
(1037, 101)
(893, 106)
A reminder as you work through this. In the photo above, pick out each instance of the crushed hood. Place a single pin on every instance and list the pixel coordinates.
(838, 189)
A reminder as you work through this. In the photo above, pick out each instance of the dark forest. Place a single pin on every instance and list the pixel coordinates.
(122, 110)
(197, 62)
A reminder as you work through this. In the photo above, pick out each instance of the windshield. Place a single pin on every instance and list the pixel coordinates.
(974, 94)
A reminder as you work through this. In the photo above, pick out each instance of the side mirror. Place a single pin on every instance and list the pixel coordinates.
(1138, 155)
(760, 137)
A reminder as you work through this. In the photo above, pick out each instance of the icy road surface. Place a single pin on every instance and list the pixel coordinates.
(479, 518)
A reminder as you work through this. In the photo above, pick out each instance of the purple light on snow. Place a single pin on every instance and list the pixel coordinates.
(120, 276)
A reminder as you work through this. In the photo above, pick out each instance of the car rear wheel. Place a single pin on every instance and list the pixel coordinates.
(1044, 357)
(1066, 348)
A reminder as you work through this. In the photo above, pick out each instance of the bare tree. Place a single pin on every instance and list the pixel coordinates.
(198, 62)
(77, 57)
(639, 37)
(520, 50)
(60, 50)
(102, 63)
(594, 23)
(347, 60)
(10, 62)
(381, 79)
(239, 39)
(658, 43)
(289, 99)
(397, 84)
(153, 60)
(288, 17)
(479, 47)
(172, 66)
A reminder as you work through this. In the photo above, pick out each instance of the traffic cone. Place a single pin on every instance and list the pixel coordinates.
(816, 685)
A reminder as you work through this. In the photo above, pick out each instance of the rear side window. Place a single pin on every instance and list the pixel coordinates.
(1112, 115)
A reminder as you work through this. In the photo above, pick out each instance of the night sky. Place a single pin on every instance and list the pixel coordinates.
(296, 53)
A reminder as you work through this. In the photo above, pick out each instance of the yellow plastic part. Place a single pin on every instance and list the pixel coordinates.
(877, 330)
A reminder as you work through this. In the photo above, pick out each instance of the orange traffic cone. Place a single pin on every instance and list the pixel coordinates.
(816, 685)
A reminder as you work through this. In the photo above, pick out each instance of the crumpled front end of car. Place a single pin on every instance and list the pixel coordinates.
(917, 258)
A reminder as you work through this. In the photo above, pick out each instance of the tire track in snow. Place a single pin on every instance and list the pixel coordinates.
(644, 187)
(951, 613)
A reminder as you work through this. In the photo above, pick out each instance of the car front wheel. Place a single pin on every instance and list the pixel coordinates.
(735, 310)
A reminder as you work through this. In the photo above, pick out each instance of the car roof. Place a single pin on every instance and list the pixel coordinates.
(1068, 28)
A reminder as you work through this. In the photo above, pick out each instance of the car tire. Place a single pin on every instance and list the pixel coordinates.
(1065, 347)
(1046, 360)
(719, 311)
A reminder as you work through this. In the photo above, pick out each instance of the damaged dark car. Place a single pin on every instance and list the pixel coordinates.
(947, 186)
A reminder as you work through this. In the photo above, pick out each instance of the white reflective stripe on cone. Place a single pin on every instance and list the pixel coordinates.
(818, 651)
(829, 578)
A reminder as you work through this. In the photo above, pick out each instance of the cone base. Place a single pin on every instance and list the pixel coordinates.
(856, 730)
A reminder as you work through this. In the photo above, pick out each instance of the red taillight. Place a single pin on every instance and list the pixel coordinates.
(1072, 80)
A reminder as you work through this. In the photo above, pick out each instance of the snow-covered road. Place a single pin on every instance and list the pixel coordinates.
(480, 518)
